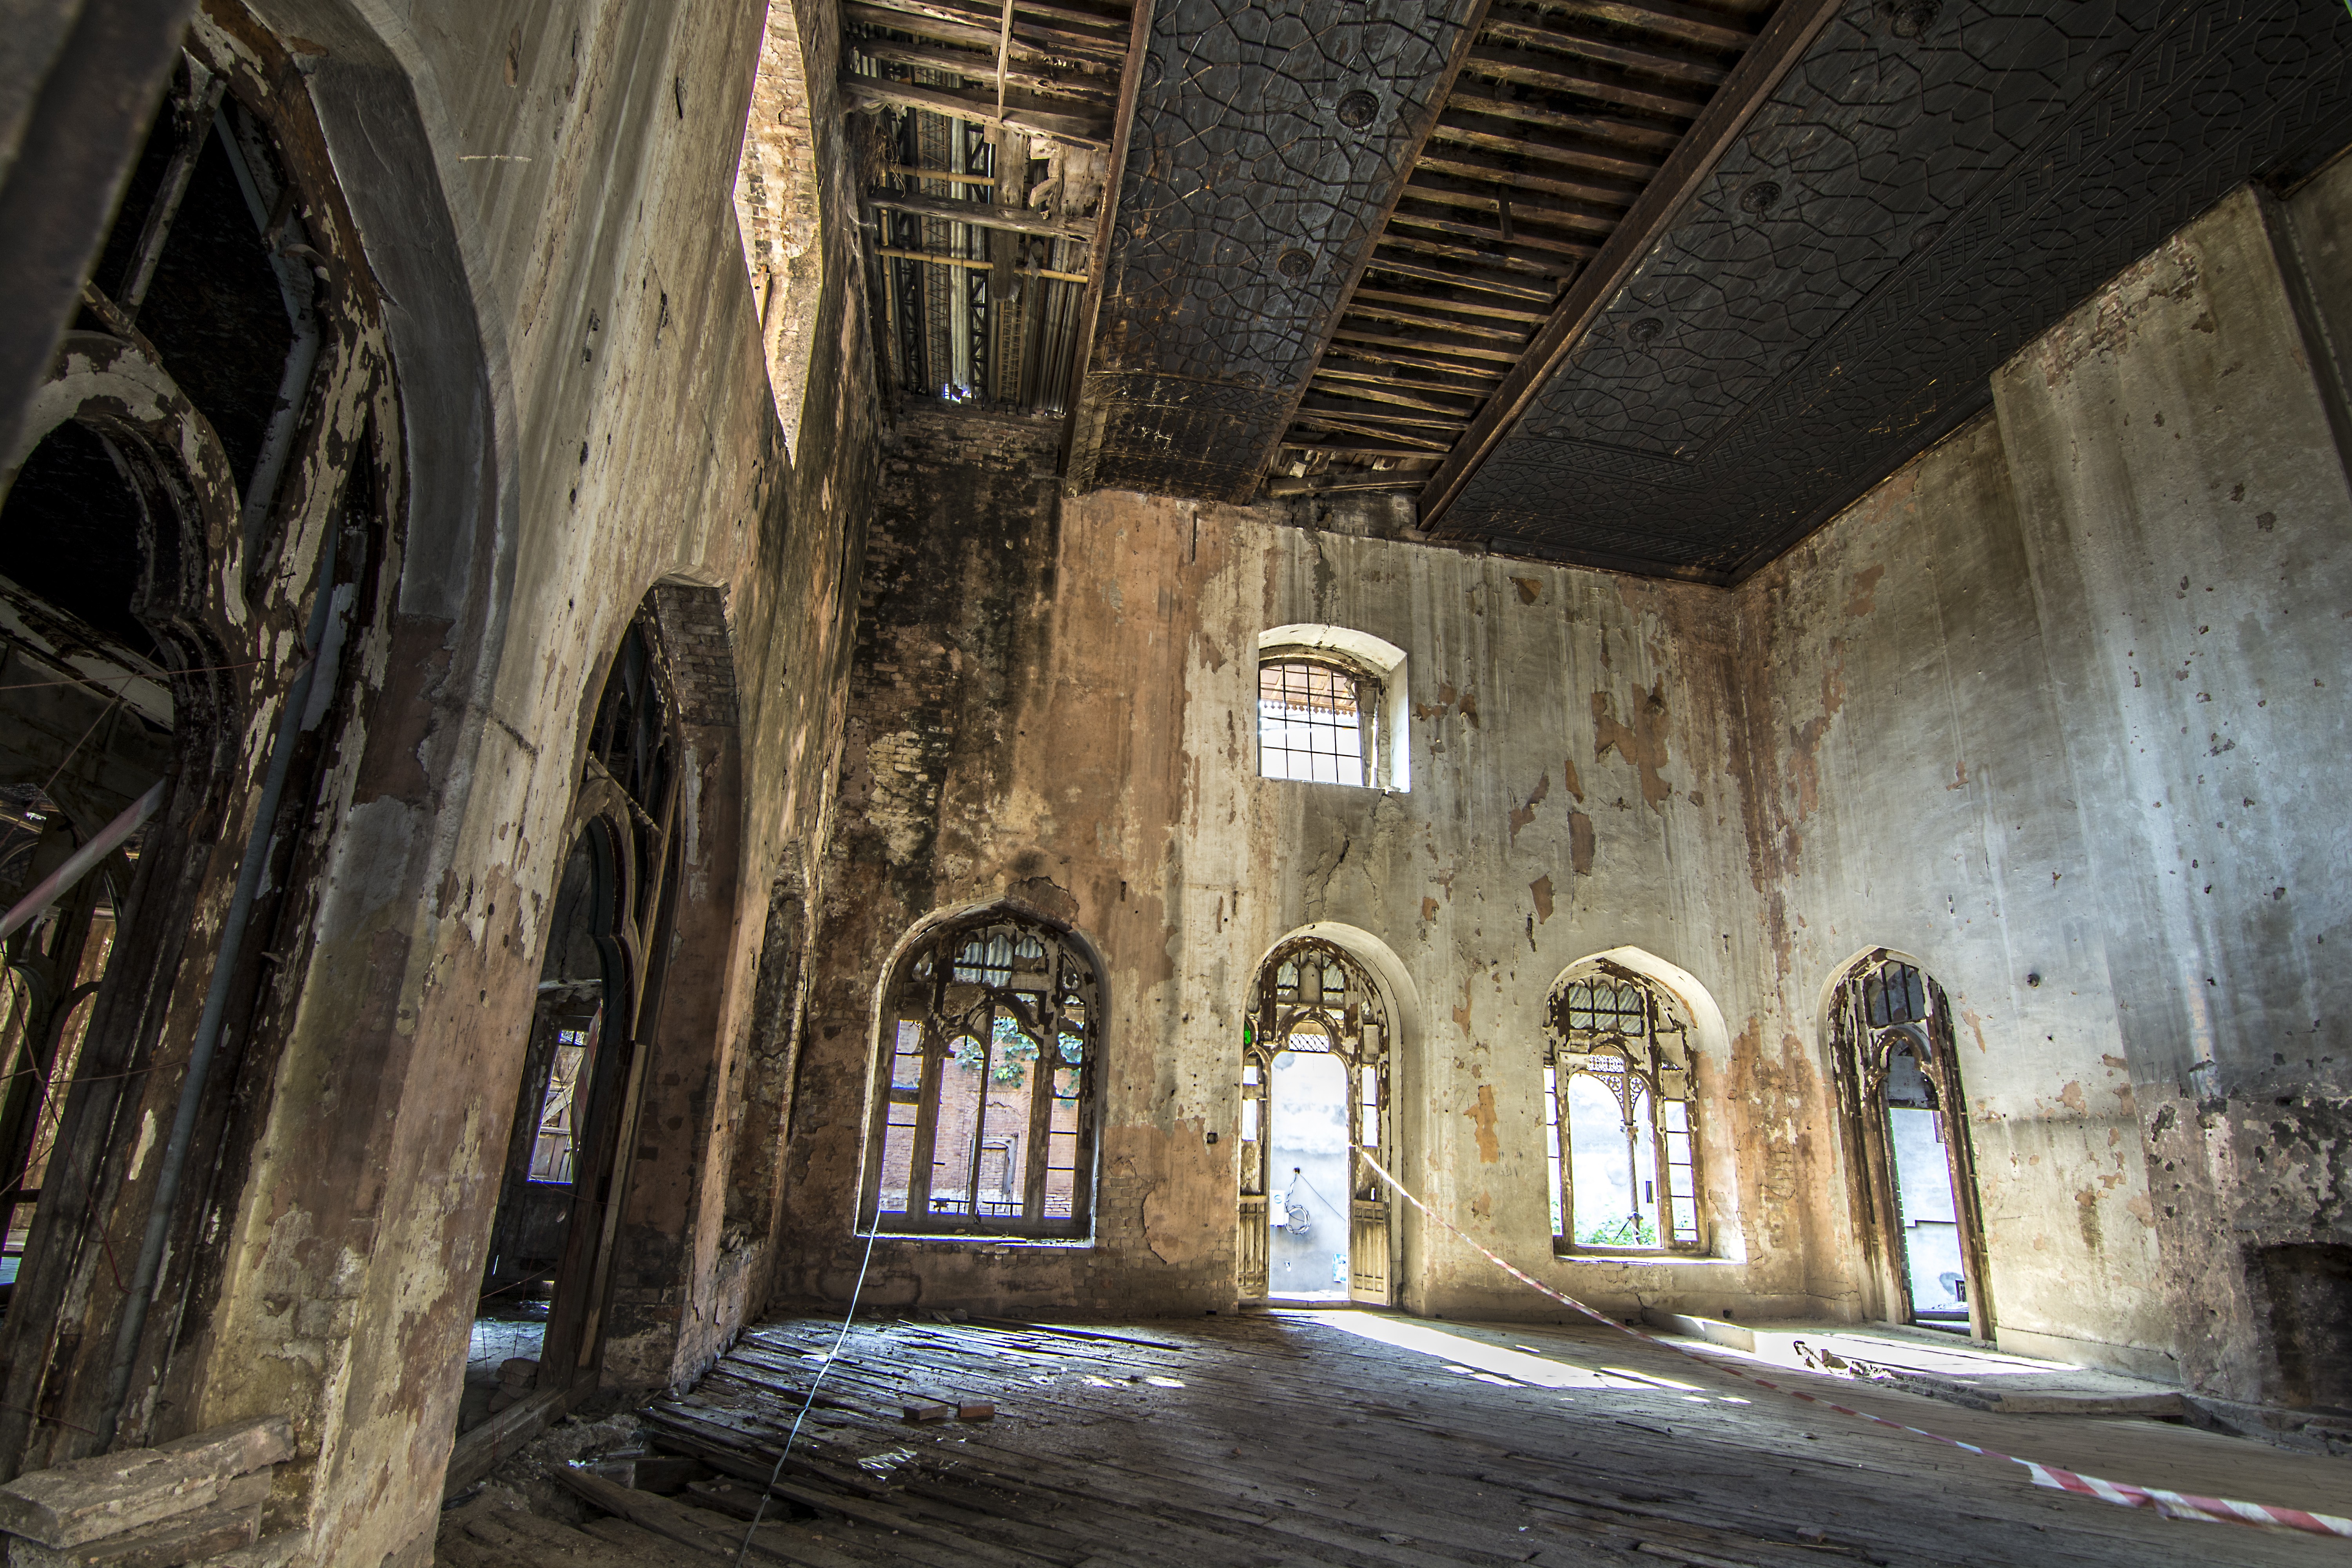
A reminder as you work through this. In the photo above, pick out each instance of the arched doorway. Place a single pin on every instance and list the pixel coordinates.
(1313, 1218)
(546, 1283)
(1906, 1118)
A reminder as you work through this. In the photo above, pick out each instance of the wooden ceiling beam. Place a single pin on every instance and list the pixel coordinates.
(1375, 352)
(1529, 315)
(1529, 68)
(1530, 235)
(1438, 351)
(1511, 286)
(1609, 46)
(1638, 144)
(977, 25)
(1608, 173)
(1701, 25)
(1793, 27)
(1452, 190)
(1402, 378)
(1527, 168)
(870, 93)
(1100, 92)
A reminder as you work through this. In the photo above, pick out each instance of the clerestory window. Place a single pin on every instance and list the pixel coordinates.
(1314, 721)
(984, 1119)
(1619, 1140)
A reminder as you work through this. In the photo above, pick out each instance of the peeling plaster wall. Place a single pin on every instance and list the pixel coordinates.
(2176, 450)
(1942, 726)
(1056, 699)
(545, 192)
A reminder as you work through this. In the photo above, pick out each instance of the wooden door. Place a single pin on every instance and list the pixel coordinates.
(1368, 1252)
(1253, 1243)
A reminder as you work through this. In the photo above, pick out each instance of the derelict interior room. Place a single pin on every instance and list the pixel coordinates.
(1178, 782)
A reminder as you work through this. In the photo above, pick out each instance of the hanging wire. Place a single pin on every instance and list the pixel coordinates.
(849, 1317)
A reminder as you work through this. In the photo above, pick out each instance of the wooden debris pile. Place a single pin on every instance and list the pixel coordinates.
(194, 1501)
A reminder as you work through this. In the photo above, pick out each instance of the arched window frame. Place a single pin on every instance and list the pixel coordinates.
(1018, 980)
(1616, 1027)
(1376, 668)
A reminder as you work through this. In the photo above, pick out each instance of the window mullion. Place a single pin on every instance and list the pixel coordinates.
(1041, 1091)
(927, 1122)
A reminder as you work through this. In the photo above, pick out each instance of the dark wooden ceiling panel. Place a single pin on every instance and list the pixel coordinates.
(1931, 186)
(1269, 141)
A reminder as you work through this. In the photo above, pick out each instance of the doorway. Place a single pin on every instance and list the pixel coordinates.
(1899, 1090)
(1308, 1157)
(1314, 1218)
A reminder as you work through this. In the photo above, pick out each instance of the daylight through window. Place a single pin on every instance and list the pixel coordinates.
(1617, 1123)
(1314, 721)
(985, 1120)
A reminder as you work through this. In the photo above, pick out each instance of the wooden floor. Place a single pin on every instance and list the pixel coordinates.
(1366, 1438)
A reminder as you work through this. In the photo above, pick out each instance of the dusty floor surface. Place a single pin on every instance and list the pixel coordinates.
(1341, 1437)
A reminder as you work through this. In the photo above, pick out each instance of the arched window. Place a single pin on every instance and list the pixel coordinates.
(1617, 1118)
(1331, 708)
(984, 1106)
(1898, 1079)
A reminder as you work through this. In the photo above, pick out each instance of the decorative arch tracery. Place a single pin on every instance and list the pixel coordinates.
(1314, 996)
(988, 1083)
(1621, 1145)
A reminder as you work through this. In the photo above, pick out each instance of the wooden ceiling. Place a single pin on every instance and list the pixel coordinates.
(987, 154)
(1559, 118)
(1653, 285)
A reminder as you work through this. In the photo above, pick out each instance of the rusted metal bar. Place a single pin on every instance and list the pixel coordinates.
(81, 863)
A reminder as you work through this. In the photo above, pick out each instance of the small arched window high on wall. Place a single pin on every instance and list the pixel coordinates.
(1619, 1142)
(1331, 708)
(984, 1107)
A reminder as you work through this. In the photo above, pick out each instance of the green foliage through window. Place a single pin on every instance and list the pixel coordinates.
(1634, 1230)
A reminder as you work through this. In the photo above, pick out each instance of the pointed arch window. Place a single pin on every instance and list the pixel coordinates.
(985, 1095)
(1621, 1147)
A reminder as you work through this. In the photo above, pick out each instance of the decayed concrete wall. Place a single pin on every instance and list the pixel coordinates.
(545, 194)
(1054, 701)
(1910, 733)
(2184, 500)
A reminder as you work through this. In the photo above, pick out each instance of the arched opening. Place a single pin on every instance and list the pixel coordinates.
(1316, 1098)
(987, 1083)
(1905, 1118)
(1621, 1134)
(192, 532)
(540, 1320)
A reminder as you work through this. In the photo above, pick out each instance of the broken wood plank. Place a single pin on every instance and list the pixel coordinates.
(981, 215)
(109, 1493)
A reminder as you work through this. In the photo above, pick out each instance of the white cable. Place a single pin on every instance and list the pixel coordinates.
(761, 1512)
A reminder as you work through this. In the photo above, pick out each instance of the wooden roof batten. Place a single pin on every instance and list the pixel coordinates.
(1790, 29)
(1572, 134)
(952, 253)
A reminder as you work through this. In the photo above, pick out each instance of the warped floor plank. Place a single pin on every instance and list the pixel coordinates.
(1376, 1441)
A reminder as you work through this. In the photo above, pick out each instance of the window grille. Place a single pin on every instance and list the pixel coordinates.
(1314, 721)
(1619, 1143)
(985, 1119)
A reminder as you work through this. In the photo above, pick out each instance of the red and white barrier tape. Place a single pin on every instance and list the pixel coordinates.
(2171, 1505)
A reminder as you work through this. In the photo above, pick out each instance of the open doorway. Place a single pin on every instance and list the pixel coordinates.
(1314, 1218)
(1899, 1089)
(538, 1326)
(1307, 1154)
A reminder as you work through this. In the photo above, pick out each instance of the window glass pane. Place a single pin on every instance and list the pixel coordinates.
(1551, 1144)
(1614, 1160)
(897, 1158)
(955, 1135)
(1249, 1120)
(1310, 722)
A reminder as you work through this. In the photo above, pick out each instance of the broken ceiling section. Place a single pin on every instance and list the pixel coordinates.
(1268, 146)
(991, 138)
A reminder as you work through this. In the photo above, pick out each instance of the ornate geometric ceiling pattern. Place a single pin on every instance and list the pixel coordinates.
(1268, 140)
(1927, 189)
